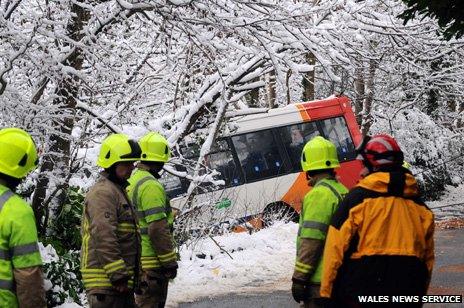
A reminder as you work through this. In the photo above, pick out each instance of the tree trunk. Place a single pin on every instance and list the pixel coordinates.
(432, 103)
(369, 97)
(271, 90)
(253, 96)
(359, 91)
(287, 84)
(433, 97)
(56, 163)
(308, 79)
(460, 112)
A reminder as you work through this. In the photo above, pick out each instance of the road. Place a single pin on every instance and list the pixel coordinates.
(447, 278)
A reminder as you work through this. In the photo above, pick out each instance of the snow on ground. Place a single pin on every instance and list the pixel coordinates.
(260, 261)
(450, 196)
(453, 196)
(69, 305)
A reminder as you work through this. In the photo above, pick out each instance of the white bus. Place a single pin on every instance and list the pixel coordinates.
(260, 161)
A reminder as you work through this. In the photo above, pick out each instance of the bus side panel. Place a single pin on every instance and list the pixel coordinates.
(349, 173)
(295, 195)
(248, 199)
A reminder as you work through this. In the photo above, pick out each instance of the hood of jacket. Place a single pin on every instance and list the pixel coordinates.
(396, 183)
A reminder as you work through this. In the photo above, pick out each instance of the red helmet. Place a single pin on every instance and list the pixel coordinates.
(380, 151)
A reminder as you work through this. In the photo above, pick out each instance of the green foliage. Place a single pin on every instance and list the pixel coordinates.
(66, 279)
(64, 229)
(449, 13)
(62, 268)
(433, 182)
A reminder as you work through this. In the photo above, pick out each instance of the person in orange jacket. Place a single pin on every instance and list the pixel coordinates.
(380, 240)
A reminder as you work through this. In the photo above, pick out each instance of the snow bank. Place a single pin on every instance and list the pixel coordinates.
(69, 305)
(451, 195)
(260, 261)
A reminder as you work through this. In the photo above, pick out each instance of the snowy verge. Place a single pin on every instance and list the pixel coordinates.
(450, 207)
(69, 305)
(451, 195)
(247, 263)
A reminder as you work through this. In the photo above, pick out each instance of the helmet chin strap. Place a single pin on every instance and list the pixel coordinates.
(10, 182)
(367, 163)
(155, 169)
(155, 174)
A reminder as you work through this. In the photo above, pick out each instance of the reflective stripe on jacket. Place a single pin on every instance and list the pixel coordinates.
(319, 205)
(380, 239)
(18, 244)
(110, 240)
(153, 209)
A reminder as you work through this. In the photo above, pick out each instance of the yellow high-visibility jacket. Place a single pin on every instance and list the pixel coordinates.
(20, 261)
(319, 204)
(155, 220)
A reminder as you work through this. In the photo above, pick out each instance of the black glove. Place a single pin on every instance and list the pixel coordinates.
(300, 291)
(170, 273)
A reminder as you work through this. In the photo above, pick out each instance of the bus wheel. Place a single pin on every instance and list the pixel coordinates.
(278, 211)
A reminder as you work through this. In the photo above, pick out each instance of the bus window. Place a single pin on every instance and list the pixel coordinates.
(172, 185)
(336, 130)
(222, 160)
(258, 155)
(294, 137)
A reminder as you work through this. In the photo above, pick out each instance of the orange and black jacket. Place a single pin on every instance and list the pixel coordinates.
(380, 241)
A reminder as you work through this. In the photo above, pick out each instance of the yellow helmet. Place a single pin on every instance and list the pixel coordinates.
(318, 154)
(117, 148)
(18, 154)
(154, 148)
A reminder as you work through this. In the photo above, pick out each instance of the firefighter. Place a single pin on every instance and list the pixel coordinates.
(318, 160)
(110, 242)
(380, 241)
(21, 277)
(159, 258)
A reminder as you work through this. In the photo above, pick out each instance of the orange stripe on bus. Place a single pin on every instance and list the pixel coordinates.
(295, 195)
(303, 113)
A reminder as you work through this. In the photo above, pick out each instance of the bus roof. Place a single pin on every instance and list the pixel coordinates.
(293, 113)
